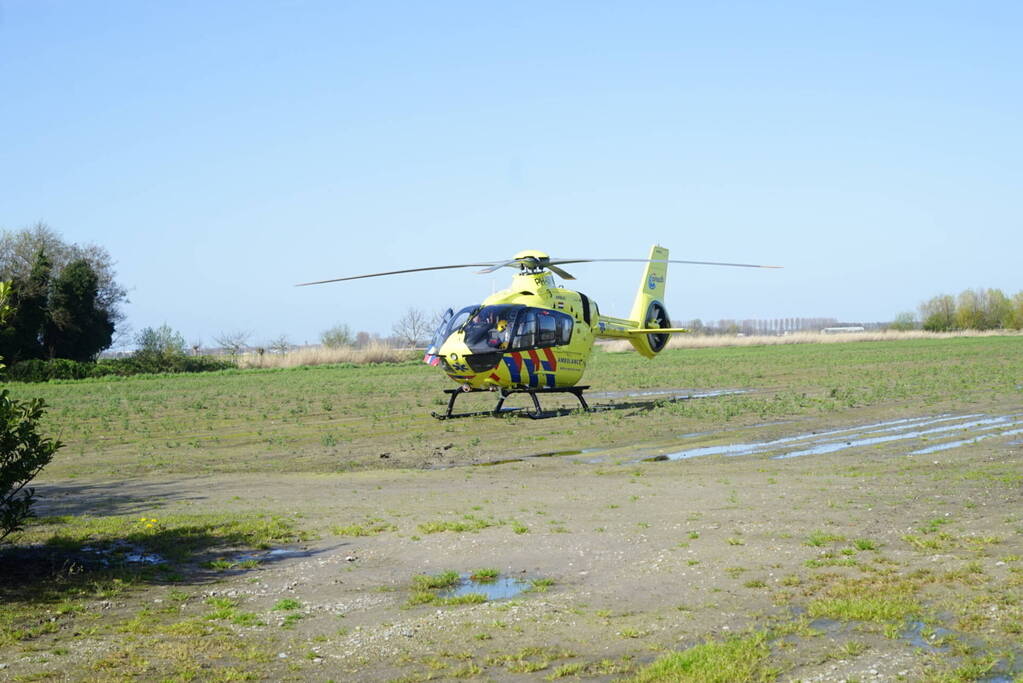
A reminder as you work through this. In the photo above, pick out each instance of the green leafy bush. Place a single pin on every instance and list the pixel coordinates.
(23, 454)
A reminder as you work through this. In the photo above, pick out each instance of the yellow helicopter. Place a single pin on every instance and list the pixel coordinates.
(536, 338)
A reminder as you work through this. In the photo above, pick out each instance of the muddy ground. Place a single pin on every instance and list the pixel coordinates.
(625, 559)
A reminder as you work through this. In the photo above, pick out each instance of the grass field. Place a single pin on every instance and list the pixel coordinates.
(278, 524)
(330, 418)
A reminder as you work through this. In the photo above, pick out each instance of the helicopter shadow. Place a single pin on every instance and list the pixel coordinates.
(642, 402)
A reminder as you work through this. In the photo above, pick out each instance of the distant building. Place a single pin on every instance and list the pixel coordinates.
(843, 330)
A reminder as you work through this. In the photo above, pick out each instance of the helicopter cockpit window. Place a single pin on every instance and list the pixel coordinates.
(515, 327)
(490, 328)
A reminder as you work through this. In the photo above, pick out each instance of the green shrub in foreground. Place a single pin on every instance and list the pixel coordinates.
(23, 454)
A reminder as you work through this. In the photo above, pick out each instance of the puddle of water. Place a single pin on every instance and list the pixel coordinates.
(557, 454)
(819, 443)
(500, 588)
(835, 446)
(124, 553)
(965, 442)
(274, 554)
(552, 454)
(667, 393)
(144, 558)
(921, 636)
(504, 461)
(751, 448)
(915, 636)
(827, 625)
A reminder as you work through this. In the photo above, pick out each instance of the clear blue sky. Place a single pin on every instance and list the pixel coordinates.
(223, 151)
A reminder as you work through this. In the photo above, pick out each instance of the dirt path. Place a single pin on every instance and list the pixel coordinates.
(626, 560)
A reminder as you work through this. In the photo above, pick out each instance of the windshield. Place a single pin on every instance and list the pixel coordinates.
(449, 322)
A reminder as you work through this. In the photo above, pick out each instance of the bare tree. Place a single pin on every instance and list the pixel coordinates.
(336, 337)
(412, 328)
(280, 345)
(233, 342)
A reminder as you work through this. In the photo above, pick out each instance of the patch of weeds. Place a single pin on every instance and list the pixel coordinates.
(223, 565)
(741, 658)
(736, 541)
(468, 523)
(822, 538)
(755, 583)
(246, 619)
(519, 527)
(933, 525)
(424, 582)
(421, 598)
(369, 529)
(529, 659)
(540, 585)
(465, 599)
(610, 667)
(941, 541)
(223, 608)
(829, 560)
(865, 544)
(852, 648)
(469, 670)
(484, 575)
(286, 604)
(866, 600)
(425, 587)
(573, 669)
(290, 620)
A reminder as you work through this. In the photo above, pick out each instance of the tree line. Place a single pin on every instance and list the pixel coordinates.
(973, 309)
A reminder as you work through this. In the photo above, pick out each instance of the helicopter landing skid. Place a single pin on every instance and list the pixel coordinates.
(537, 414)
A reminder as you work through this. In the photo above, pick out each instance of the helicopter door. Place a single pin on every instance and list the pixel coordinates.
(539, 328)
(547, 332)
(441, 333)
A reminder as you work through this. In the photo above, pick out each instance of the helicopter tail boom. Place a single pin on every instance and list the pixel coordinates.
(648, 326)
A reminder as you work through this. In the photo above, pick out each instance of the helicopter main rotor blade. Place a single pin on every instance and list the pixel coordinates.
(549, 264)
(491, 267)
(645, 260)
(393, 272)
(563, 274)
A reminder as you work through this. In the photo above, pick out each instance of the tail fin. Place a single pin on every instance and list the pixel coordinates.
(648, 307)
